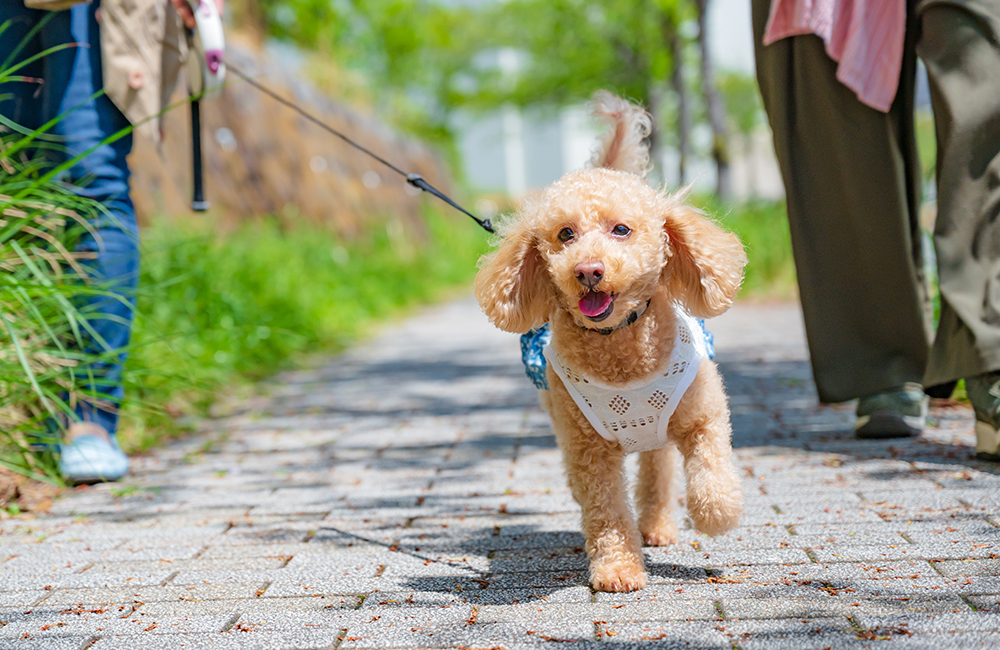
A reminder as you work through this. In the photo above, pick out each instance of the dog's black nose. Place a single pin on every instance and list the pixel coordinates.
(589, 274)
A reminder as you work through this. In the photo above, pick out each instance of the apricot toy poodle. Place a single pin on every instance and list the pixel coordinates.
(620, 271)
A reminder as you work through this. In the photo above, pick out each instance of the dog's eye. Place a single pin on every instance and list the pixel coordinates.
(566, 235)
(621, 230)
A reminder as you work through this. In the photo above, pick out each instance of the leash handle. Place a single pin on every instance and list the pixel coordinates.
(198, 202)
(206, 67)
(206, 73)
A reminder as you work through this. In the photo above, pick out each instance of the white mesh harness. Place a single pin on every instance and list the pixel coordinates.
(636, 415)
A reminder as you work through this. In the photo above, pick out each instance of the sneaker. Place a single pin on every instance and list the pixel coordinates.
(91, 455)
(984, 393)
(899, 413)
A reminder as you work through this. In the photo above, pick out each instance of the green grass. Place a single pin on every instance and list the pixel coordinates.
(220, 309)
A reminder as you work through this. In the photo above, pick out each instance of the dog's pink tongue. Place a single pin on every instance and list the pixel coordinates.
(595, 303)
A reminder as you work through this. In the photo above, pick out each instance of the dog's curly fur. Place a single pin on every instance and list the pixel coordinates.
(671, 254)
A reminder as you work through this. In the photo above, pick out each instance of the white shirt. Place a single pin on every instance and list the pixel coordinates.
(636, 415)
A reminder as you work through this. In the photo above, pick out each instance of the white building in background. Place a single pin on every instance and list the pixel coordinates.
(516, 151)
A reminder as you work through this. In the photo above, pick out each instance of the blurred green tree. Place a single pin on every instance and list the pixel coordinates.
(424, 59)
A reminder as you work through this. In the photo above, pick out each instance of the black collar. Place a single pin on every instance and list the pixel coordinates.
(628, 320)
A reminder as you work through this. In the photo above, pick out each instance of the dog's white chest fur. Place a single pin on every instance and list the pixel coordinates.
(636, 415)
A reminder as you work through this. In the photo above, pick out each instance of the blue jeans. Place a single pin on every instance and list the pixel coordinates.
(70, 78)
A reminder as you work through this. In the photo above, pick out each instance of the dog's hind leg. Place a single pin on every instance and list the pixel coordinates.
(654, 495)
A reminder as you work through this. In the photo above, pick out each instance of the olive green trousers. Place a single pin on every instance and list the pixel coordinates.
(852, 181)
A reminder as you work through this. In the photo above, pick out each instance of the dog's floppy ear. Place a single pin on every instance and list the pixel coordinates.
(512, 285)
(704, 266)
(624, 146)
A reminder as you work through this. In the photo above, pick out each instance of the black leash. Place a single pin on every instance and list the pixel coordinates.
(416, 180)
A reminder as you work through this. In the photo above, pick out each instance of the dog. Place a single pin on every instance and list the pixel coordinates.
(620, 271)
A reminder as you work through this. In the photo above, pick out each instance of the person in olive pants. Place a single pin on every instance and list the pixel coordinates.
(852, 180)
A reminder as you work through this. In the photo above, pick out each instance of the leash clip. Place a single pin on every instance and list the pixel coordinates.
(416, 180)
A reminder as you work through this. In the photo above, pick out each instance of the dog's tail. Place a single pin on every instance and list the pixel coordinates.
(624, 147)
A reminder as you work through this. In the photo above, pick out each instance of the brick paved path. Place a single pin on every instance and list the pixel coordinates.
(409, 495)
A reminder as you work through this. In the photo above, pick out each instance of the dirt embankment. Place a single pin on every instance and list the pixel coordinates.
(261, 158)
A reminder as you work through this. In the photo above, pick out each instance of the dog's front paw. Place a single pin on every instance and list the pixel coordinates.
(715, 521)
(718, 514)
(715, 500)
(618, 575)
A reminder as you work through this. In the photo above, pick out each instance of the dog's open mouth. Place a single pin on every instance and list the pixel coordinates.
(597, 305)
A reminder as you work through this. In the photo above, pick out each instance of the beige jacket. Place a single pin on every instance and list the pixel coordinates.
(142, 50)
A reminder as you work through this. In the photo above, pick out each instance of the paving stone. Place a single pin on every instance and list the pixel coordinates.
(744, 608)
(232, 606)
(439, 627)
(47, 643)
(974, 585)
(69, 540)
(198, 565)
(112, 625)
(990, 567)
(324, 585)
(120, 554)
(381, 599)
(232, 640)
(985, 603)
(835, 541)
(744, 537)
(799, 632)
(952, 641)
(566, 594)
(599, 612)
(48, 581)
(299, 619)
(22, 598)
(843, 530)
(280, 550)
(119, 596)
(902, 551)
(884, 605)
(720, 558)
(664, 635)
(934, 622)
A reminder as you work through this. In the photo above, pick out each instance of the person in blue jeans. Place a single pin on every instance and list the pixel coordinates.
(70, 83)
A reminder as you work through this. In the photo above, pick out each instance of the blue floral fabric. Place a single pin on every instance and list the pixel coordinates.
(532, 345)
(535, 341)
(709, 339)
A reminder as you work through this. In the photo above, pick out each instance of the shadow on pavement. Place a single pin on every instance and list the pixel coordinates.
(774, 405)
